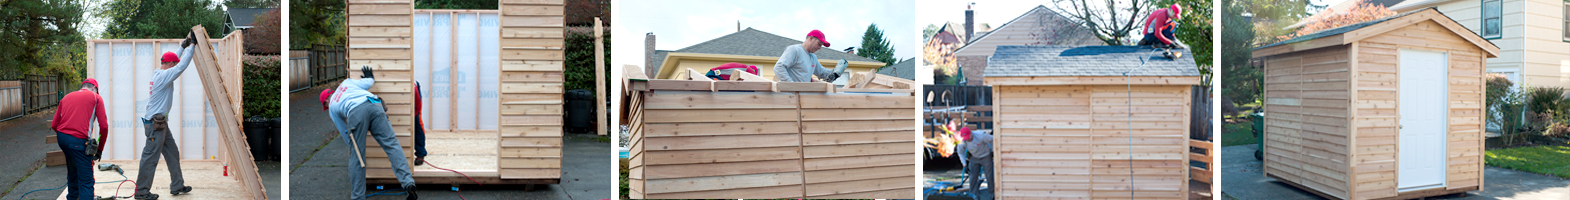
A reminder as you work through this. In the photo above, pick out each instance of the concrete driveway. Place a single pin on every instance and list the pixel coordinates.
(317, 170)
(1242, 178)
(23, 171)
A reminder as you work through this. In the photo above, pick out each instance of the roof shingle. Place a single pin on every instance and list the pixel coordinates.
(1017, 61)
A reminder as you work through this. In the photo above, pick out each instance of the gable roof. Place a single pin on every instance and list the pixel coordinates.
(955, 28)
(752, 42)
(905, 69)
(1084, 35)
(1354, 32)
(1019, 61)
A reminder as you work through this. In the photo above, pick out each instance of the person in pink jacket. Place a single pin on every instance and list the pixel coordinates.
(1160, 25)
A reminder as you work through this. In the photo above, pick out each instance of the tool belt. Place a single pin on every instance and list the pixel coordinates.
(92, 148)
(160, 122)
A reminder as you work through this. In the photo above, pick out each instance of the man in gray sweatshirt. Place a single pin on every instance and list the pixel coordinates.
(978, 150)
(798, 63)
(155, 121)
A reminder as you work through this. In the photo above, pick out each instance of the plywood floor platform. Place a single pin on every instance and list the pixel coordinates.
(205, 177)
(470, 152)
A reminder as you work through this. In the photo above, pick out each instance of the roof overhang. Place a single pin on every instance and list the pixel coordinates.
(1091, 80)
(673, 59)
(1380, 28)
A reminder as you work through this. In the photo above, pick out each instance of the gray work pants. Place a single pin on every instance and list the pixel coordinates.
(159, 143)
(973, 172)
(369, 117)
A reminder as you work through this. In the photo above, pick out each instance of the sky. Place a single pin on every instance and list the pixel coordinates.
(678, 24)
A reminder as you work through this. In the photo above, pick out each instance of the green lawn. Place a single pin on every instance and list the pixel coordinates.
(1237, 134)
(1546, 159)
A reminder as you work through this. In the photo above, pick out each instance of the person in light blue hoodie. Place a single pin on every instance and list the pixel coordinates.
(356, 112)
(160, 142)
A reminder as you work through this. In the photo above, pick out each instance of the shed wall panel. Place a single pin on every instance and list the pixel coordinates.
(1082, 141)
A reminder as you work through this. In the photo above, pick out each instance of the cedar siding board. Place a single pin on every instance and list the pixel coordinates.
(527, 147)
(784, 140)
(1070, 125)
(1333, 126)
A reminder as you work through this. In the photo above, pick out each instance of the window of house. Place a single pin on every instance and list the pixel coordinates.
(1493, 11)
(1566, 19)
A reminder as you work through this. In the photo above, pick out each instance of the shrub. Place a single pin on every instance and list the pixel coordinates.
(261, 86)
(579, 48)
(1546, 101)
(1558, 129)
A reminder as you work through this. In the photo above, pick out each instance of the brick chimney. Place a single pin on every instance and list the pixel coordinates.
(648, 54)
(970, 21)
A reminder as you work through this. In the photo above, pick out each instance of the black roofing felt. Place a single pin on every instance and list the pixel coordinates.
(1016, 61)
(752, 42)
(1351, 27)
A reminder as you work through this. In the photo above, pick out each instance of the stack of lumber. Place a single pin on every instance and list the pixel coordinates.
(755, 138)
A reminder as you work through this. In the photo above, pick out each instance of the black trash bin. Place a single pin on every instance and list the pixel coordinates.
(274, 134)
(580, 109)
(256, 137)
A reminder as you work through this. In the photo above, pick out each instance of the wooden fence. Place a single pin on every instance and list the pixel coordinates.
(300, 70)
(327, 63)
(11, 105)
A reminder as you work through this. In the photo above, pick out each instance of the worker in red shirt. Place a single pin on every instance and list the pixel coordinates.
(419, 127)
(1159, 27)
(72, 124)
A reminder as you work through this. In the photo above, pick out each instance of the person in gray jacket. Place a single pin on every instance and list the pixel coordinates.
(799, 64)
(159, 141)
(978, 150)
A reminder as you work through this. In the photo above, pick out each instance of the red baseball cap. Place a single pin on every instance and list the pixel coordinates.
(91, 81)
(819, 35)
(170, 57)
(326, 94)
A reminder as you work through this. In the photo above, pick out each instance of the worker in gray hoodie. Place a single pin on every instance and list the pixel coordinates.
(357, 112)
(799, 64)
(978, 150)
(155, 121)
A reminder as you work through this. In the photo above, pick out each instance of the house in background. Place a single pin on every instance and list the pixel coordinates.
(240, 18)
(1038, 27)
(905, 69)
(1534, 45)
(748, 46)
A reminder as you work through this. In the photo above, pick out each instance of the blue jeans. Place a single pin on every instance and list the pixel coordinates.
(79, 167)
(1150, 39)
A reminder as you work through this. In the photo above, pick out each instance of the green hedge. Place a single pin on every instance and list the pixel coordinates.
(261, 86)
(579, 48)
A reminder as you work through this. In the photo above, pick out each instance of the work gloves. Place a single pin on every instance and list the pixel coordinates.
(366, 70)
(190, 38)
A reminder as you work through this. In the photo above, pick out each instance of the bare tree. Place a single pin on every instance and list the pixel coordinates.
(1110, 20)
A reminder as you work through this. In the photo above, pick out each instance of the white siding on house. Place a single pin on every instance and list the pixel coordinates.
(1532, 42)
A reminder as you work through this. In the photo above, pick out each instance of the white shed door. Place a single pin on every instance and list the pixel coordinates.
(1422, 107)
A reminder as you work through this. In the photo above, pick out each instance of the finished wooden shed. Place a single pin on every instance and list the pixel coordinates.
(758, 138)
(1339, 102)
(1070, 124)
(492, 82)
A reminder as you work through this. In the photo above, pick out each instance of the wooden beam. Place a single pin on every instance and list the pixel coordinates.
(239, 159)
(694, 75)
(601, 127)
(1094, 80)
